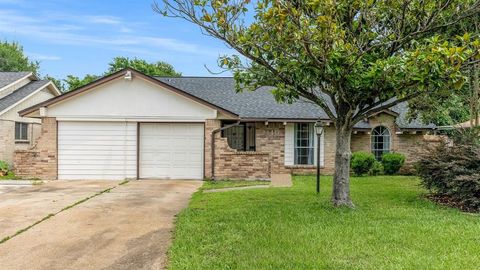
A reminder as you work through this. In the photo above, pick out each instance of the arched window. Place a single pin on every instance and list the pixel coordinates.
(380, 141)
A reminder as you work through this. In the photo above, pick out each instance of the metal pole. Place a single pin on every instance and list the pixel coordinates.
(318, 163)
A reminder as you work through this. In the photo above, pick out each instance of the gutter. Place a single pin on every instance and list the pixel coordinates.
(215, 131)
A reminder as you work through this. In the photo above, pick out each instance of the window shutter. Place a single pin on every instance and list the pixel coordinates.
(289, 144)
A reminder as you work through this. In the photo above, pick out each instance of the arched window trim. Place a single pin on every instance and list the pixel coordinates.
(381, 141)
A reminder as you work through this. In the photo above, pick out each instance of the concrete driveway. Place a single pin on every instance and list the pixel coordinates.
(127, 227)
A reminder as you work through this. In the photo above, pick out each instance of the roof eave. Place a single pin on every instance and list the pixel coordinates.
(114, 76)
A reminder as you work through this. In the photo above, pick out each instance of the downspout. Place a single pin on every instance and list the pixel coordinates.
(215, 131)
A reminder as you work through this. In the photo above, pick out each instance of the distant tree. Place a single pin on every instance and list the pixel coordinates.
(74, 82)
(352, 58)
(158, 68)
(12, 58)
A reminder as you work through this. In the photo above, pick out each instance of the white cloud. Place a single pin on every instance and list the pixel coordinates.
(43, 57)
(61, 30)
(103, 19)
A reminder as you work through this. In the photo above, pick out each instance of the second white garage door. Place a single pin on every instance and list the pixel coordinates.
(171, 150)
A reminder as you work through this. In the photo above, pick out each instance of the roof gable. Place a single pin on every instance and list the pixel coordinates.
(20, 94)
(130, 99)
(118, 75)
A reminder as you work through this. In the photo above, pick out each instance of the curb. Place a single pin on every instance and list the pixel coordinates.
(16, 182)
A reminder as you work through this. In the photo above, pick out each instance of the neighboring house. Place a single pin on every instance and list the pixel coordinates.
(19, 90)
(467, 124)
(129, 125)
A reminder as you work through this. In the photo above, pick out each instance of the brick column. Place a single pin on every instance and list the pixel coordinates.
(210, 125)
(40, 161)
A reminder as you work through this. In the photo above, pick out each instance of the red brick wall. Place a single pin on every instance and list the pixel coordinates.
(270, 154)
(40, 161)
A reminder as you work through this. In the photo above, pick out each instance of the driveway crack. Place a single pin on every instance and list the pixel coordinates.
(5, 239)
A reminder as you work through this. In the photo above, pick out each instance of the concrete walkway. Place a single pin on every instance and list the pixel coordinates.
(126, 228)
(282, 180)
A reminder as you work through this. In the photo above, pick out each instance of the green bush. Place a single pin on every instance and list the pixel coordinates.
(4, 168)
(452, 172)
(377, 168)
(392, 162)
(362, 162)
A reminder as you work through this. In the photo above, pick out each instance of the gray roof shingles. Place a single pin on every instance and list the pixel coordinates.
(21, 93)
(260, 104)
(7, 78)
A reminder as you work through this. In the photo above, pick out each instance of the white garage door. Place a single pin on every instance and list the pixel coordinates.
(171, 151)
(97, 150)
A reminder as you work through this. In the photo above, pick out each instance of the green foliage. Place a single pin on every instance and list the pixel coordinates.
(74, 82)
(392, 162)
(362, 162)
(453, 171)
(444, 112)
(377, 168)
(12, 58)
(158, 68)
(4, 168)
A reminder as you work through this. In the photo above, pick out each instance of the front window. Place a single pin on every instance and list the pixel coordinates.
(21, 131)
(304, 143)
(380, 141)
(241, 137)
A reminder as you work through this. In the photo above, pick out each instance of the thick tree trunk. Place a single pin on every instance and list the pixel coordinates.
(341, 178)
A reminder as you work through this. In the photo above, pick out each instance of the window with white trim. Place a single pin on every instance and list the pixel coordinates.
(304, 144)
(21, 131)
(380, 141)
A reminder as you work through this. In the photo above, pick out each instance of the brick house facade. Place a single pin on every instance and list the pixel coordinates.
(100, 146)
(20, 90)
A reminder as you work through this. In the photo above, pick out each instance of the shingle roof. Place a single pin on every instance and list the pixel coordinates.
(260, 104)
(7, 78)
(20, 93)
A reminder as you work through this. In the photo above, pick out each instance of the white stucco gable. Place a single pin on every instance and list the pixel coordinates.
(136, 99)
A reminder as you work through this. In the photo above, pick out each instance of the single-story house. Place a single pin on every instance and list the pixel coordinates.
(132, 126)
(20, 90)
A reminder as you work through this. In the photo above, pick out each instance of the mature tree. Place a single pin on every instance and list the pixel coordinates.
(461, 105)
(74, 82)
(353, 58)
(12, 58)
(158, 68)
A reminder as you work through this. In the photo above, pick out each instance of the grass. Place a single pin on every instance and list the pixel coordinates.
(392, 227)
(231, 183)
(9, 176)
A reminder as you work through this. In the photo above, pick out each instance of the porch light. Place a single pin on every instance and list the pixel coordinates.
(319, 131)
(319, 128)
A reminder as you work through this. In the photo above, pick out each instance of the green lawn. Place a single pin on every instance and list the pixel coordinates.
(392, 227)
(232, 183)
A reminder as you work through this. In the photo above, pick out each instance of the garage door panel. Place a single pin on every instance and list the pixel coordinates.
(97, 150)
(171, 150)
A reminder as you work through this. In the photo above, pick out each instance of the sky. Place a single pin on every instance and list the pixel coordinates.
(81, 37)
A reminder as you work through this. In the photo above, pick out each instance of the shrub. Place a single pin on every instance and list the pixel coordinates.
(362, 162)
(377, 168)
(4, 168)
(392, 162)
(452, 172)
